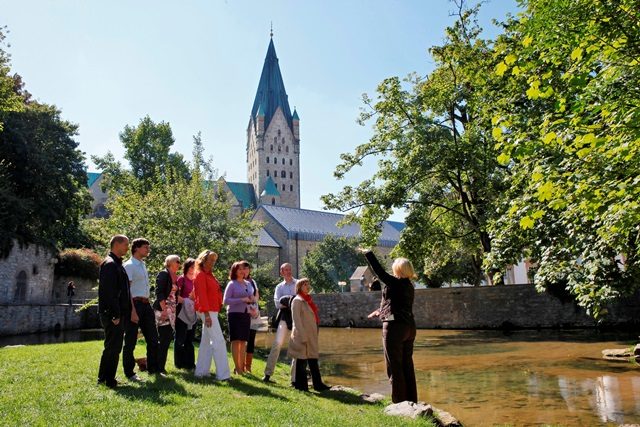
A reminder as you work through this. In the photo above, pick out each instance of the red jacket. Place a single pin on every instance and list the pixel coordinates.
(208, 292)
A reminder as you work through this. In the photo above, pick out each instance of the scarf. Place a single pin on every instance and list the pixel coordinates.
(313, 306)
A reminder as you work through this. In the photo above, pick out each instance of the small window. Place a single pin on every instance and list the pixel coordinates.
(279, 148)
(273, 201)
(271, 147)
(283, 187)
(283, 139)
(267, 159)
(291, 188)
(290, 162)
(275, 173)
(34, 269)
(275, 160)
(283, 160)
(283, 174)
(267, 172)
(21, 287)
(279, 132)
(291, 175)
(275, 140)
(286, 148)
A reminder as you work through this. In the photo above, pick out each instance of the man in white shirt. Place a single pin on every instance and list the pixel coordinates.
(285, 288)
(142, 315)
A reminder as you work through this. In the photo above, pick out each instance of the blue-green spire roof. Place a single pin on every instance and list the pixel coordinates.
(260, 111)
(295, 115)
(271, 93)
(270, 188)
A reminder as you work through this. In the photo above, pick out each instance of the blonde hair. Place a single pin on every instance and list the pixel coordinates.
(171, 258)
(202, 258)
(300, 283)
(403, 269)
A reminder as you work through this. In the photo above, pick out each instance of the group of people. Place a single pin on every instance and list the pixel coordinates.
(125, 308)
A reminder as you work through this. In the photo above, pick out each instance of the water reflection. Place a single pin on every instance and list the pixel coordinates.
(488, 377)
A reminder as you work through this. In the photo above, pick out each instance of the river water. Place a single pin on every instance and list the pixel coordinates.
(489, 377)
(482, 377)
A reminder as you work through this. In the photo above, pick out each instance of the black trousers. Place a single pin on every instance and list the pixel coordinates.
(251, 344)
(397, 341)
(147, 324)
(183, 350)
(165, 334)
(301, 375)
(113, 336)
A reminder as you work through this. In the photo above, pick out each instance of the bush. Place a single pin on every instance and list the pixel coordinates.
(83, 263)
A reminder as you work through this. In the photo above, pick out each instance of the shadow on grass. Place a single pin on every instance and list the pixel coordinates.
(235, 383)
(159, 391)
(343, 397)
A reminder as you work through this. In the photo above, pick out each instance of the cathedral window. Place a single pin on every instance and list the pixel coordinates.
(275, 160)
(291, 188)
(273, 201)
(283, 139)
(290, 162)
(267, 172)
(283, 160)
(283, 187)
(279, 148)
(286, 148)
(275, 173)
(275, 139)
(267, 159)
(271, 147)
(283, 174)
(291, 175)
(279, 132)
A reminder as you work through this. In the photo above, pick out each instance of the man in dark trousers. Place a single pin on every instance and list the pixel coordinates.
(114, 307)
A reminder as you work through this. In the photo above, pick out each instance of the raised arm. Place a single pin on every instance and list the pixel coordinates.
(378, 269)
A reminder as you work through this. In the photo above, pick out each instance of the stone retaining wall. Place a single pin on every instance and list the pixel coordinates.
(512, 306)
(31, 318)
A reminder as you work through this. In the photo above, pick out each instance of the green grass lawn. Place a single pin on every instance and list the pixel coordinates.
(55, 385)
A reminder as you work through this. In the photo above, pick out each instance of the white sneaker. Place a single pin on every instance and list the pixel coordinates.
(135, 379)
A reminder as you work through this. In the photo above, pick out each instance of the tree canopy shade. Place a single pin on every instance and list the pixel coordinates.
(436, 159)
(43, 180)
(566, 119)
(333, 260)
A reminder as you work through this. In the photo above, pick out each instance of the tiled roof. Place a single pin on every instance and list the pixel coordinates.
(265, 239)
(270, 188)
(271, 93)
(315, 225)
(244, 193)
(397, 225)
(92, 178)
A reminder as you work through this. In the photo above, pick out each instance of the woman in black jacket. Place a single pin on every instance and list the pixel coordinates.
(398, 325)
(165, 306)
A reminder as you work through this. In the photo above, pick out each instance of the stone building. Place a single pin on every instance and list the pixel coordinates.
(26, 275)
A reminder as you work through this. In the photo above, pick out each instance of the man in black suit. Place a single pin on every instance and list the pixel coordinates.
(114, 308)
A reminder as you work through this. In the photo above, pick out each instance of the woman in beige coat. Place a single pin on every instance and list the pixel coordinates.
(303, 344)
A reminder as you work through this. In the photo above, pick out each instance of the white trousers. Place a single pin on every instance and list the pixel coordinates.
(282, 333)
(213, 346)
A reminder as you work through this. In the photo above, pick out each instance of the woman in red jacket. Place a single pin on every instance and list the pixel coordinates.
(208, 303)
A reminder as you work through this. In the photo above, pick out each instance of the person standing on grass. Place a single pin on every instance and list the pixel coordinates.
(208, 303)
(303, 343)
(143, 316)
(165, 307)
(285, 288)
(184, 352)
(238, 296)
(114, 307)
(256, 322)
(398, 325)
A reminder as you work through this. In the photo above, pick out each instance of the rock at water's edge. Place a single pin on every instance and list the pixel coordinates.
(409, 409)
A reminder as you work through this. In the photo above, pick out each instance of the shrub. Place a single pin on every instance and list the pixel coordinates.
(83, 263)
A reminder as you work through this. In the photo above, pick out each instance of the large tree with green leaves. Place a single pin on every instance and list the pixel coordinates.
(43, 192)
(333, 260)
(567, 120)
(436, 160)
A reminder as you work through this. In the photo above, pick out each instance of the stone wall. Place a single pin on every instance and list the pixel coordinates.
(86, 289)
(513, 306)
(27, 319)
(29, 268)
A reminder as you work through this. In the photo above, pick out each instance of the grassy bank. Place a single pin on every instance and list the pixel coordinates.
(56, 385)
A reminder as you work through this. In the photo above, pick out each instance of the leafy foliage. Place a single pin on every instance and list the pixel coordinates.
(566, 118)
(436, 159)
(333, 260)
(78, 263)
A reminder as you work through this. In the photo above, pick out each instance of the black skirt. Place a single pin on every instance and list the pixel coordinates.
(239, 326)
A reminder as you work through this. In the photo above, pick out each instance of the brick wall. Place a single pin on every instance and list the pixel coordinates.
(518, 306)
(31, 318)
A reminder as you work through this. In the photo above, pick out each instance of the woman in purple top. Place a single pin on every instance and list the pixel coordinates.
(184, 353)
(237, 297)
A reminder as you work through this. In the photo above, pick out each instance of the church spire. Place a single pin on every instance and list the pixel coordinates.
(271, 93)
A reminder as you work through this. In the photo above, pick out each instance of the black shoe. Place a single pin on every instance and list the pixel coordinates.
(109, 383)
(322, 387)
(267, 379)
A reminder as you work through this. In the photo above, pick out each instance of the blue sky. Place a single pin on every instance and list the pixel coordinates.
(196, 65)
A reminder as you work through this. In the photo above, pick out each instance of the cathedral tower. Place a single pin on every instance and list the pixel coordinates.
(273, 140)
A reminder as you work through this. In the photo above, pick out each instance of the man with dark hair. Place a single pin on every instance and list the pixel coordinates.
(142, 315)
(114, 307)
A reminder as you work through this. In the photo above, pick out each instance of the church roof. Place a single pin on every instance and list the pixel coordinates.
(316, 225)
(244, 193)
(270, 188)
(265, 239)
(271, 93)
(92, 178)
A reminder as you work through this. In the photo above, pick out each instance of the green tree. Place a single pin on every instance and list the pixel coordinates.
(436, 160)
(333, 260)
(566, 117)
(178, 216)
(147, 148)
(42, 176)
